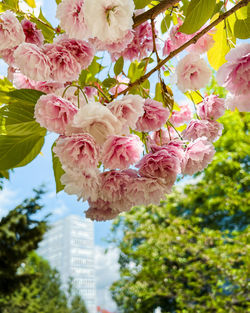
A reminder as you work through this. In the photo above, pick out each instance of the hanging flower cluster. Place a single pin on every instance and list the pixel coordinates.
(124, 150)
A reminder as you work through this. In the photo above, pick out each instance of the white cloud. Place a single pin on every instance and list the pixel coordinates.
(8, 199)
(107, 271)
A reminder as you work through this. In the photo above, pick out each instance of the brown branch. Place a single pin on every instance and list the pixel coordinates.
(154, 40)
(186, 44)
(152, 13)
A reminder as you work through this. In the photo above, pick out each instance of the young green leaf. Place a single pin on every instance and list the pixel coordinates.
(58, 171)
(16, 151)
(140, 4)
(198, 12)
(119, 66)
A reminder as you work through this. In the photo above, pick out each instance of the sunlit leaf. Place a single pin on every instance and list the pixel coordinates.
(216, 55)
(198, 12)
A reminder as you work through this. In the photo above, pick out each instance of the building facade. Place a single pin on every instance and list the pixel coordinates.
(69, 247)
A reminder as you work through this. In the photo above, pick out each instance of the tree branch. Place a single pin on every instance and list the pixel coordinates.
(186, 44)
(152, 13)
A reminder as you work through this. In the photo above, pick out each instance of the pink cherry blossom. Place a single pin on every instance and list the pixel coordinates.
(145, 190)
(8, 56)
(139, 46)
(115, 47)
(241, 102)
(198, 155)
(168, 47)
(203, 44)
(154, 117)
(114, 186)
(11, 32)
(177, 38)
(108, 20)
(161, 137)
(235, 74)
(121, 152)
(210, 129)
(78, 151)
(90, 92)
(212, 107)
(71, 16)
(48, 87)
(32, 62)
(128, 110)
(81, 50)
(64, 66)
(192, 73)
(22, 81)
(85, 184)
(10, 73)
(121, 85)
(178, 118)
(98, 121)
(100, 211)
(32, 34)
(164, 163)
(54, 113)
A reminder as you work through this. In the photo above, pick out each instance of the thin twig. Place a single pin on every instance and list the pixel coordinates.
(185, 45)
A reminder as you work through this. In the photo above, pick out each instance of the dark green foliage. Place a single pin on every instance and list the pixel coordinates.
(77, 305)
(43, 294)
(189, 255)
(20, 234)
(169, 262)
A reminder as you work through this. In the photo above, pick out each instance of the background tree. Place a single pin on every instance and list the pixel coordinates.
(190, 253)
(27, 282)
(20, 234)
(44, 294)
(221, 196)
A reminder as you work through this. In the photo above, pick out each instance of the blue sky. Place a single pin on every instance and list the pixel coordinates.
(40, 171)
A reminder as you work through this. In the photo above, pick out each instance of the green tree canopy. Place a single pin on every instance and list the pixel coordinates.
(44, 294)
(190, 253)
(221, 198)
(20, 234)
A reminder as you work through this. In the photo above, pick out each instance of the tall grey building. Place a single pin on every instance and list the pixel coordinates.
(69, 247)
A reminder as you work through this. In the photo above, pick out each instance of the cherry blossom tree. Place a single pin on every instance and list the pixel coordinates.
(123, 139)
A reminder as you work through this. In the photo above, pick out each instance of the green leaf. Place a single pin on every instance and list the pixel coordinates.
(31, 3)
(194, 96)
(140, 4)
(135, 70)
(109, 82)
(18, 119)
(25, 96)
(45, 26)
(158, 93)
(10, 4)
(216, 55)
(58, 1)
(5, 87)
(198, 12)
(58, 171)
(16, 151)
(242, 23)
(165, 23)
(119, 66)
(5, 174)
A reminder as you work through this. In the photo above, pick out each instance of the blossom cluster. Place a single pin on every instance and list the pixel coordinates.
(126, 150)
